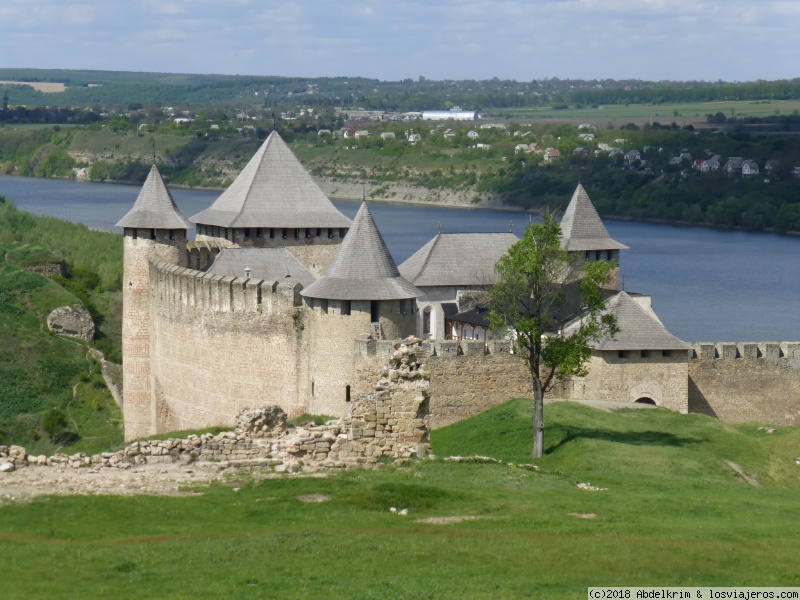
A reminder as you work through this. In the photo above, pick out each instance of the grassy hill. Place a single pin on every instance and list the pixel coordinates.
(668, 511)
(52, 395)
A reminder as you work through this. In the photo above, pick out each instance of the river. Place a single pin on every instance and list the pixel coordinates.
(707, 285)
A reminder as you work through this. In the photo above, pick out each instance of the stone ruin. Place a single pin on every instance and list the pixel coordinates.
(73, 321)
(390, 421)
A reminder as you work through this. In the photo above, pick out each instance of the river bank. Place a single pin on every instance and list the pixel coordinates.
(338, 189)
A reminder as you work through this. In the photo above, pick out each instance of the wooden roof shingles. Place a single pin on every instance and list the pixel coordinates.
(154, 207)
(581, 227)
(363, 268)
(268, 264)
(459, 259)
(639, 328)
(273, 190)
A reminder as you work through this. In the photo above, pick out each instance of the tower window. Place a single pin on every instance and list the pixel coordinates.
(347, 393)
(271, 233)
(426, 321)
(246, 232)
(308, 232)
(152, 234)
(259, 232)
(172, 234)
(346, 308)
(319, 231)
(342, 232)
(623, 355)
(296, 233)
(330, 234)
(284, 233)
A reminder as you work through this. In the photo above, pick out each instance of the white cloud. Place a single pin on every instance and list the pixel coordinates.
(521, 39)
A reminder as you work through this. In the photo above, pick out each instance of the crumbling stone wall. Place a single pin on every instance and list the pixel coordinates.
(393, 419)
(389, 421)
(49, 269)
(466, 377)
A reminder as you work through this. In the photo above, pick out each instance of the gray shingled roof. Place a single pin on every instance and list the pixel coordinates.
(269, 264)
(640, 328)
(154, 207)
(457, 259)
(581, 227)
(273, 190)
(362, 269)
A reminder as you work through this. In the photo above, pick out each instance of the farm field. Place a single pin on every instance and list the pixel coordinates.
(661, 507)
(687, 113)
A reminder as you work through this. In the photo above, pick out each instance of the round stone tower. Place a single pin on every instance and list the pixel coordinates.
(362, 294)
(153, 229)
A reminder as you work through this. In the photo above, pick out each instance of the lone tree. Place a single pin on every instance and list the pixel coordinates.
(551, 303)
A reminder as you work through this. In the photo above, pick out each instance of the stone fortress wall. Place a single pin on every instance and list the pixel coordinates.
(466, 377)
(278, 351)
(740, 382)
(202, 325)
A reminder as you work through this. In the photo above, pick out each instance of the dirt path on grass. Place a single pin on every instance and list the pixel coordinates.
(27, 483)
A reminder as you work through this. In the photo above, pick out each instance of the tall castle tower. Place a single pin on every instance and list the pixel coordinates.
(153, 228)
(275, 203)
(584, 235)
(361, 294)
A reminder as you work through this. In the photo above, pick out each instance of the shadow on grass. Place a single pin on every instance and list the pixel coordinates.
(635, 438)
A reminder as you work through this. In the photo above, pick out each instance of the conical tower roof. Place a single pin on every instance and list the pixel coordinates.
(154, 207)
(581, 227)
(273, 190)
(362, 269)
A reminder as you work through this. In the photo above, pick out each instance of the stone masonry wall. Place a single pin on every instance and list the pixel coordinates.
(137, 389)
(746, 382)
(221, 344)
(661, 379)
(389, 421)
(466, 377)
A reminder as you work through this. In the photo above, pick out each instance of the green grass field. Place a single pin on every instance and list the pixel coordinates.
(40, 371)
(673, 513)
(665, 113)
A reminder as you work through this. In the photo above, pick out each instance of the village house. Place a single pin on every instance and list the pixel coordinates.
(734, 165)
(749, 167)
(551, 154)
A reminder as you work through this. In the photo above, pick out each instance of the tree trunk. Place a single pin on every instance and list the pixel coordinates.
(538, 418)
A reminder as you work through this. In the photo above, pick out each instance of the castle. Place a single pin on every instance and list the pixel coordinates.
(281, 299)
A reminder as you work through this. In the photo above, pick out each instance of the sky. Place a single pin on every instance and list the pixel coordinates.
(731, 40)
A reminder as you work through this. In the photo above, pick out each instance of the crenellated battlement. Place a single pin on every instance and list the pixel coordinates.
(368, 348)
(745, 350)
(190, 289)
